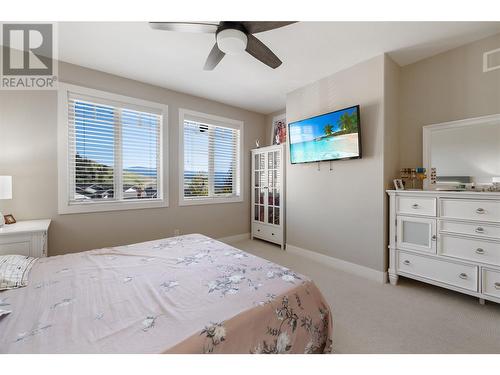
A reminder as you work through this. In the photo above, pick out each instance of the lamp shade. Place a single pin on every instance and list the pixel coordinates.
(5, 187)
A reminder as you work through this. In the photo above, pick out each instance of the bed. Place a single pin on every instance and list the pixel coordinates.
(186, 294)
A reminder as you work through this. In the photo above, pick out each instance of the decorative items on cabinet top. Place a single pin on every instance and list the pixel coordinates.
(413, 178)
(449, 193)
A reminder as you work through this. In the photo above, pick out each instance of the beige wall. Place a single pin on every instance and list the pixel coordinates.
(449, 86)
(339, 213)
(28, 151)
(392, 78)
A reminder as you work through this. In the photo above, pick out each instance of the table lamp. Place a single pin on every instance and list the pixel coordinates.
(5, 193)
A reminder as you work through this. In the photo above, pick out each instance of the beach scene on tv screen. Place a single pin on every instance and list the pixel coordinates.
(326, 137)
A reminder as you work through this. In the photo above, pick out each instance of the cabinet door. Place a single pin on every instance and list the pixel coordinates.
(259, 186)
(416, 234)
(273, 214)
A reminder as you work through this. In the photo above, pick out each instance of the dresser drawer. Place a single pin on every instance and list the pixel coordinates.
(480, 210)
(491, 283)
(473, 249)
(16, 244)
(483, 230)
(455, 274)
(267, 232)
(416, 206)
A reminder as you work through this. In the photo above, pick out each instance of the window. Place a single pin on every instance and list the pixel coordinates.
(210, 159)
(110, 152)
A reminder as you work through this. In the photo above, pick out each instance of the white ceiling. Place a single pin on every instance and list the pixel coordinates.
(309, 50)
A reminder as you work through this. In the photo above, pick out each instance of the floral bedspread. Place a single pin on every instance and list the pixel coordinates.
(186, 294)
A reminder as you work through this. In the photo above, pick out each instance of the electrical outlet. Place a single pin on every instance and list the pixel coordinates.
(177, 232)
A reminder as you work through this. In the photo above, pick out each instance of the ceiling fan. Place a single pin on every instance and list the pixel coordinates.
(231, 37)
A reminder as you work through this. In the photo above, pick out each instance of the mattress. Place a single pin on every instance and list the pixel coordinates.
(186, 294)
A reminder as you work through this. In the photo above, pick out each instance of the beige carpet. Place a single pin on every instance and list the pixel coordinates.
(411, 317)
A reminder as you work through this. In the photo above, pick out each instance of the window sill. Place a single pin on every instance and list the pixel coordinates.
(77, 208)
(199, 202)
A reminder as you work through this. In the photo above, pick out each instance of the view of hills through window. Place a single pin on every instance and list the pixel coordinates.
(210, 159)
(116, 151)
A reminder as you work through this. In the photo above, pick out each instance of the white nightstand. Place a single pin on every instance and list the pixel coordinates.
(25, 238)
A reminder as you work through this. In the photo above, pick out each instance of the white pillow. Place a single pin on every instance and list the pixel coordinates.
(14, 270)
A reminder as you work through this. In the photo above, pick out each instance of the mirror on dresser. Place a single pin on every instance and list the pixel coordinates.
(465, 153)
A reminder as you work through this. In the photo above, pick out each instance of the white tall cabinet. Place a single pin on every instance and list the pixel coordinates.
(268, 194)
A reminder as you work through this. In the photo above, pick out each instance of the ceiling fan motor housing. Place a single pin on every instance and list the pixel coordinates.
(231, 38)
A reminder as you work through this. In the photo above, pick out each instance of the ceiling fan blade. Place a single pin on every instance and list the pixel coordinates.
(188, 27)
(260, 26)
(214, 57)
(261, 52)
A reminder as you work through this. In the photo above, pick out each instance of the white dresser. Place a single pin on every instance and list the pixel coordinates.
(268, 198)
(28, 238)
(449, 239)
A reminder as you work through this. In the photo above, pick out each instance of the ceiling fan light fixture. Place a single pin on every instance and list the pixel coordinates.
(232, 41)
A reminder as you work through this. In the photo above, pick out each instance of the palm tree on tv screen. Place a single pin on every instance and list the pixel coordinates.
(348, 123)
(328, 129)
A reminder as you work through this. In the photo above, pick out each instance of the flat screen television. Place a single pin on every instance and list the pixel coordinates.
(331, 136)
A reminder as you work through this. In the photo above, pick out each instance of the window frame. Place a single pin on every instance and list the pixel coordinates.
(67, 207)
(218, 121)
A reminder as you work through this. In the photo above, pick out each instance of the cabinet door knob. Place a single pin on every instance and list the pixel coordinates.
(414, 205)
(407, 262)
(479, 251)
(497, 285)
(463, 276)
(434, 238)
(480, 210)
(479, 230)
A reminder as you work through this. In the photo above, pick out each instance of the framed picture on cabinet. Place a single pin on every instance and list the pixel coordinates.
(278, 131)
(9, 219)
(398, 184)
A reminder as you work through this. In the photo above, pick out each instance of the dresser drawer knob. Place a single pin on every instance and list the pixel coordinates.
(497, 285)
(415, 206)
(407, 262)
(479, 251)
(479, 230)
(258, 230)
(480, 211)
(463, 276)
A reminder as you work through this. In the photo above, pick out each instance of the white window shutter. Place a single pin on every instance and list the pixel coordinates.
(113, 151)
(211, 160)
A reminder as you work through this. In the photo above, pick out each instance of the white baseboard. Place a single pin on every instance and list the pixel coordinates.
(356, 269)
(235, 238)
